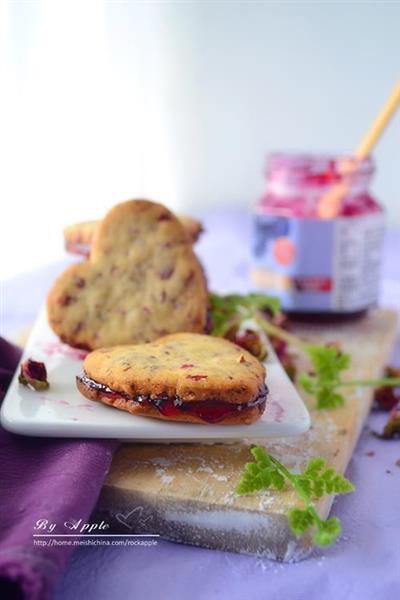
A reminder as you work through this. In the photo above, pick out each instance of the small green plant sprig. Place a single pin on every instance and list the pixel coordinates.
(324, 382)
(231, 310)
(317, 479)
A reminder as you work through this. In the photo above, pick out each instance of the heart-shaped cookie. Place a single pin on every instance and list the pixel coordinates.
(180, 377)
(142, 281)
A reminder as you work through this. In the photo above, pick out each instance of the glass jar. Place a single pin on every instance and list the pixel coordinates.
(318, 266)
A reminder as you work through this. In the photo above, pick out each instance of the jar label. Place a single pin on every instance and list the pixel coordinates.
(318, 265)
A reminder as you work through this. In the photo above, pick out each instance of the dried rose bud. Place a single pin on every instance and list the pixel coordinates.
(289, 366)
(281, 350)
(34, 375)
(280, 347)
(392, 427)
(388, 397)
(278, 318)
(392, 372)
(249, 340)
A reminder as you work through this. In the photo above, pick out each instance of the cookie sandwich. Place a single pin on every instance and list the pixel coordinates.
(185, 377)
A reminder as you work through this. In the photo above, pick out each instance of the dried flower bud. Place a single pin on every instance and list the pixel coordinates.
(392, 427)
(280, 347)
(290, 367)
(387, 398)
(288, 363)
(249, 340)
(34, 375)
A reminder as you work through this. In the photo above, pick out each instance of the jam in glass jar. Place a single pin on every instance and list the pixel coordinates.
(317, 266)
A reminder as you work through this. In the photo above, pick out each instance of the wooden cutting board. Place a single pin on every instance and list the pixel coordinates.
(185, 492)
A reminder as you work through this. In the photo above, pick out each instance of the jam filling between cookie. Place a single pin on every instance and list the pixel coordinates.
(210, 411)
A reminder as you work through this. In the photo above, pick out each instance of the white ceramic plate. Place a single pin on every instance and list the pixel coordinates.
(61, 411)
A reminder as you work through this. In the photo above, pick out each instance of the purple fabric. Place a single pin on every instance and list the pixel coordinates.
(9, 357)
(56, 480)
(364, 564)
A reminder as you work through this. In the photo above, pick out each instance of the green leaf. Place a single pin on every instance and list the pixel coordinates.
(261, 474)
(341, 485)
(261, 455)
(230, 310)
(327, 398)
(314, 466)
(317, 479)
(327, 532)
(328, 362)
(300, 520)
(307, 383)
(263, 302)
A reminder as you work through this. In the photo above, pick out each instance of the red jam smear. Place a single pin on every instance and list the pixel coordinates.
(210, 411)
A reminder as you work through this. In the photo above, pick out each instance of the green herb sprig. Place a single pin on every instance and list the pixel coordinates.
(317, 479)
(232, 309)
(327, 362)
(324, 382)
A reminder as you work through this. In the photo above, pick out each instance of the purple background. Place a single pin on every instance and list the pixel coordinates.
(364, 564)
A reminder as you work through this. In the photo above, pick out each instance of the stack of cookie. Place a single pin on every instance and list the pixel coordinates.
(140, 282)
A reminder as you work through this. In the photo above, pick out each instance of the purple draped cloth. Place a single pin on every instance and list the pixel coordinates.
(57, 480)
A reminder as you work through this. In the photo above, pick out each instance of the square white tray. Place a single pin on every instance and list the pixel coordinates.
(61, 411)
